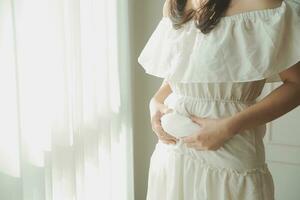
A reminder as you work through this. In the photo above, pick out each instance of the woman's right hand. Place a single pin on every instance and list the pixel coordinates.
(157, 128)
(158, 109)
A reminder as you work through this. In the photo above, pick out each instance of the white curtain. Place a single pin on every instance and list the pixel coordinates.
(65, 107)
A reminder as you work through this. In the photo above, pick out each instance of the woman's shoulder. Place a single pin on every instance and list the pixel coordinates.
(235, 6)
(166, 8)
(240, 6)
(246, 46)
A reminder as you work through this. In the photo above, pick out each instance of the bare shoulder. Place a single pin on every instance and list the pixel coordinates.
(235, 7)
(166, 8)
(238, 6)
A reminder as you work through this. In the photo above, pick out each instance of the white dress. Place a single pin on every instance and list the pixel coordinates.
(218, 75)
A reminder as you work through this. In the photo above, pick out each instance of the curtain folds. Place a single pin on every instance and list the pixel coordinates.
(65, 107)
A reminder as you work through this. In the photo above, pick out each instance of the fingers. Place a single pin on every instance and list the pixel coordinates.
(192, 142)
(189, 139)
(164, 135)
(167, 141)
(192, 145)
(198, 120)
(157, 128)
(159, 131)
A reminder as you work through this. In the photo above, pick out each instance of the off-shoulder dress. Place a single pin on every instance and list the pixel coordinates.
(214, 75)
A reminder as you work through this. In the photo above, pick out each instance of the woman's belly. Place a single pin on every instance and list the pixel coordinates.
(179, 125)
(243, 151)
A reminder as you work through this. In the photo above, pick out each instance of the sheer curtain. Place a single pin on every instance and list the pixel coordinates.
(65, 107)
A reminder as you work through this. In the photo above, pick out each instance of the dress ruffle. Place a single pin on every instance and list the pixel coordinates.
(244, 47)
(169, 168)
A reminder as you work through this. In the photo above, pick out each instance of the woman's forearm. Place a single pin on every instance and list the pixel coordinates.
(279, 102)
(157, 101)
(155, 105)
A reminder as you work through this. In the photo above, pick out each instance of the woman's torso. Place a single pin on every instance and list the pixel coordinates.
(214, 100)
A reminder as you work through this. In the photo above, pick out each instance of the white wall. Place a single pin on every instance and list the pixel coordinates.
(145, 15)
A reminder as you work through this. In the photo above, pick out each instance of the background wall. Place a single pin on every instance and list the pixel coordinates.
(144, 17)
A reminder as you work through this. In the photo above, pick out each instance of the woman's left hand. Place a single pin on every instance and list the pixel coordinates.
(213, 134)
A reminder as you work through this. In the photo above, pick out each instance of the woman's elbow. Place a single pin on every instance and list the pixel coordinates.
(291, 76)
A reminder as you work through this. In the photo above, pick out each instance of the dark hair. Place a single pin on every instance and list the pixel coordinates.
(206, 16)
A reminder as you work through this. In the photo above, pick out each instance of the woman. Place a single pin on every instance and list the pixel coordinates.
(215, 57)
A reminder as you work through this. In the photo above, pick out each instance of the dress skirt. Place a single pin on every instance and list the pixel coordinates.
(236, 171)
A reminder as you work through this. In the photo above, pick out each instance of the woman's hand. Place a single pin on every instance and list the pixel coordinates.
(213, 134)
(157, 128)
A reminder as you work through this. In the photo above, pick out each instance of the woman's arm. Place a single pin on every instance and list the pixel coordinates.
(279, 102)
(157, 109)
(157, 101)
(216, 131)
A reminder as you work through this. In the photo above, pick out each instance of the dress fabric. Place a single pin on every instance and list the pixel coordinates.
(236, 171)
(217, 75)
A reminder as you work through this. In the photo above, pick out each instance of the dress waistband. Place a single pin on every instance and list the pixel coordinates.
(207, 99)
